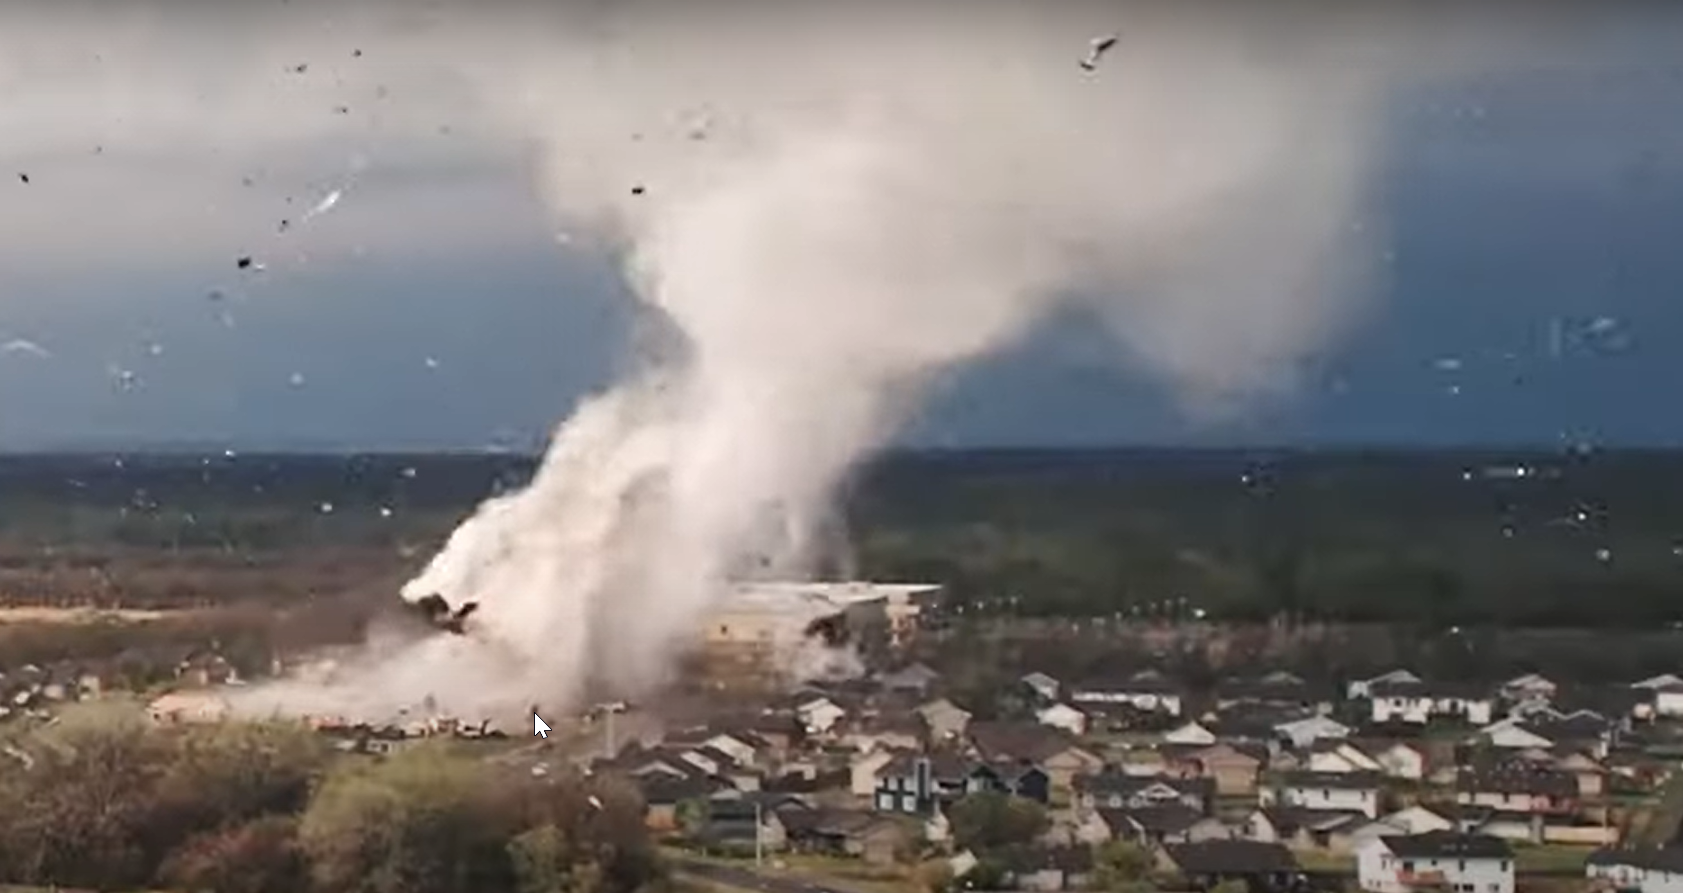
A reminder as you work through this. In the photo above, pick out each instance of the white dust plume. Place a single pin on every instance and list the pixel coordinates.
(833, 203)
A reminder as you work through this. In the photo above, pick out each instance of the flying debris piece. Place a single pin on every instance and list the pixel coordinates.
(637, 190)
(356, 54)
(437, 612)
(124, 378)
(1096, 51)
(385, 511)
(326, 204)
(595, 802)
(285, 225)
(296, 379)
(246, 262)
(1604, 555)
(1447, 364)
(24, 177)
(300, 68)
(341, 110)
(154, 349)
(24, 345)
(432, 362)
(325, 508)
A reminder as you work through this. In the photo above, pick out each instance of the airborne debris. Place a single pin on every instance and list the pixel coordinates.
(326, 204)
(24, 345)
(23, 177)
(1096, 51)
(637, 190)
(296, 379)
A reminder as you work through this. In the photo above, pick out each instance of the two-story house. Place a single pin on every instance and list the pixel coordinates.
(1330, 791)
(1111, 789)
(1147, 690)
(1518, 787)
(1647, 869)
(1418, 703)
(1441, 860)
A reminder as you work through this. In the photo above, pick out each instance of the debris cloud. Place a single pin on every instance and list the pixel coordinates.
(883, 193)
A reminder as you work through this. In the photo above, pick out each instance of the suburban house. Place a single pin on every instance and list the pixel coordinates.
(1233, 771)
(819, 715)
(873, 839)
(1668, 700)
(1261, 867)
(1063, 716)
(1400, 760)
(1529, 687)
(1042, 686)
(1158, 825)
(1512, 733)
(186, 707)
(1326, 791)
(1460, 863)
(1275, 689)
(945, 719)
(1647, 869)
(1192, 733)
(1048, 749)
(1340, 756)
(1147, 690)
(1518, 787)
(1305, 828)
(1301, 733)
(1418, 703)
(916, 784)
(1113, 790)
(1361, 688)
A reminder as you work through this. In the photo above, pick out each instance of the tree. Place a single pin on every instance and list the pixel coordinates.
(546, 860)
(418, 823)
(260, 856)
(988, 822)
(1120, 866)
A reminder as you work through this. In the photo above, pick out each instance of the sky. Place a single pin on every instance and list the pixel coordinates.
(1526, 222)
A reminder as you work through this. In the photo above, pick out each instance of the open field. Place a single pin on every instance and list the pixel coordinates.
(77, 615)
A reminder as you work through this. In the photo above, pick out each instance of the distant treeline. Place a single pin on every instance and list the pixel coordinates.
(1440, 538)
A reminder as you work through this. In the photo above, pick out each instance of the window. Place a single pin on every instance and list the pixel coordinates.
(1408, 867)
(1461, 865)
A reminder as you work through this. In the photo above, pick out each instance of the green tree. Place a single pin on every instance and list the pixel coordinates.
(1120, 866)
(546, 860)
(988, 822)
(260, 856)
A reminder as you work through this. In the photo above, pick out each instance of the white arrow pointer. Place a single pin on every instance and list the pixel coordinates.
(539, 727)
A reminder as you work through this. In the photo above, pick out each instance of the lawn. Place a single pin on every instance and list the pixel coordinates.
(1548, 858)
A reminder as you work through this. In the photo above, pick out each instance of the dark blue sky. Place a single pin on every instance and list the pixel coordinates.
(1507, 203)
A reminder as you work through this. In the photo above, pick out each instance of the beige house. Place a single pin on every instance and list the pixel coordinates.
(185, 707)
(1233, 770)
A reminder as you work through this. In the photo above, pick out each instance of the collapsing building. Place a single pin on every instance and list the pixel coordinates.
(782, 626)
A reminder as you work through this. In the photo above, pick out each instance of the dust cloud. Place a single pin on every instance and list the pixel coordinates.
(829, 205)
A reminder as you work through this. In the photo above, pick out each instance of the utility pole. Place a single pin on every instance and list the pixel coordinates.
(759, 848)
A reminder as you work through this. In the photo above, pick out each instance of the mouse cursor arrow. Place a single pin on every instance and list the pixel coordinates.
(539, 727)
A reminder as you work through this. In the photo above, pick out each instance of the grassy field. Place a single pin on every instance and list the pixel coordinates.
(81, 615)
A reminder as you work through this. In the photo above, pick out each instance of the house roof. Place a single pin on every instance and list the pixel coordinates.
(1667, 859)
(1017, 740)
(1170, 818)
(1518, 778)
(1448, 845)
(1288, 820)
(1347, 781)
(1468, 691)
(1110, 782)
(1231, 857)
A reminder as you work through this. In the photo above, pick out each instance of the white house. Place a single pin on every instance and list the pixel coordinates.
(1042, 685)
(1402, 760)
(1649, 870)
(1417, 820)
(1361, 687)
(1146, 690)
(1304, 732)
(1461, 863)
(820, 715)
(1193, 733)
(1418, 703)
(1668, 700)
(1658, 682)
(1340, 791)
(1063, 716)
(1341, 756)
(1528, 687)
(1511, 732)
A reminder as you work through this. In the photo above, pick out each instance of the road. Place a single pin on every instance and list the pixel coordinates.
(747, 879)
